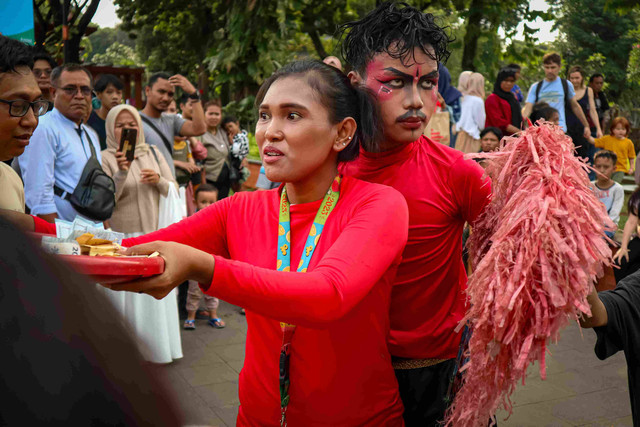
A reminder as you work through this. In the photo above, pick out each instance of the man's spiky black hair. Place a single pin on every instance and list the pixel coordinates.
(396, 29)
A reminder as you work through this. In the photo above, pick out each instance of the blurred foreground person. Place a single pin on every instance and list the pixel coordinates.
(68, 359)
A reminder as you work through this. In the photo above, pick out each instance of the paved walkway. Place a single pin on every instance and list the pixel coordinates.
(580, 390)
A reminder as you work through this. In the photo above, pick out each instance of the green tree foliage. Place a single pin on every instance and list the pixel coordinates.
(49, 19)
(230, 47)
(118, 55)
(592, 27)
(103, 38)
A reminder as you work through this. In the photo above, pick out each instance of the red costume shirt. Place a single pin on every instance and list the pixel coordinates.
(340, 366)
(443, 192)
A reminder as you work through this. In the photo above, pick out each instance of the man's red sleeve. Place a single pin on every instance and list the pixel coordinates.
(470, 187)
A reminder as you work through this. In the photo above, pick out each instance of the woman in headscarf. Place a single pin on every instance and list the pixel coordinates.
(472, 117)
(139, 185)
(463, 82)
(451, 96)
(501, 107)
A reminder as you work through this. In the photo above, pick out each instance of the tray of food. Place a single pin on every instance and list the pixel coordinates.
(95, 252)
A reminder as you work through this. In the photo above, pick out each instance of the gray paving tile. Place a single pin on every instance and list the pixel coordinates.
(232, 334)
(236, 365)
(228, 414)
(616, 402)
(203, 357)
(534, 415)
(623, 422)
(230, 352)
(589, 380)
(208, 374)
(585, 408)
(219, 395)
(196, 411)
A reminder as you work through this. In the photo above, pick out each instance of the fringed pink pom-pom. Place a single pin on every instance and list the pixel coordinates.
(537, 249)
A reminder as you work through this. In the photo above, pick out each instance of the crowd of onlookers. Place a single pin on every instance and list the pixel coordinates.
(478, 122)
(156, 157)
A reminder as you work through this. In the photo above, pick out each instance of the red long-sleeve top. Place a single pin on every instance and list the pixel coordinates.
(340, 367)
(498, 113)
(443, 192)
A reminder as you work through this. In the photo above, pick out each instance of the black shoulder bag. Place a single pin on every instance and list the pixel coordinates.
(95, 194)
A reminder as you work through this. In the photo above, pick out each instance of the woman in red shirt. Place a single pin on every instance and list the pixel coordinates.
(501, 107)
(343, 236)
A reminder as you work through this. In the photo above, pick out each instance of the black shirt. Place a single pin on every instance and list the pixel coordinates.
(622, 332)
(98, 125)
(602, 105)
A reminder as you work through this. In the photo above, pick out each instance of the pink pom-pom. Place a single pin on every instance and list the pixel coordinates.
(538, 247)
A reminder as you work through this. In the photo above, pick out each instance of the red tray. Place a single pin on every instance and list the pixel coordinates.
(104, 269)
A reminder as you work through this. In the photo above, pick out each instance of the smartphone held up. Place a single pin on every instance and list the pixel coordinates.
(128, 143)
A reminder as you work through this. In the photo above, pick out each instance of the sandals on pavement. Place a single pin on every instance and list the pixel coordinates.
(189, 325)
(216, 322)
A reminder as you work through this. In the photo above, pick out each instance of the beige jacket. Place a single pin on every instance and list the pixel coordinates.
(217, 153)
(137, 204)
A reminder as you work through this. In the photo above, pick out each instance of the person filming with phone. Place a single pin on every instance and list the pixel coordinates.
(141, 175)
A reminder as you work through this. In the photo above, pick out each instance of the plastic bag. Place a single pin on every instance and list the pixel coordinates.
(172, 209)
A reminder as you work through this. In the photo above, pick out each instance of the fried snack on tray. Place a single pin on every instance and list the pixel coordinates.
(92, 246)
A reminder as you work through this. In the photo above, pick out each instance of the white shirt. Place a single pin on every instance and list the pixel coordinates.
(472, 116)
(56, 155)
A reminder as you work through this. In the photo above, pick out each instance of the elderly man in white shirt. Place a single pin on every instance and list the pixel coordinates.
(52, 164)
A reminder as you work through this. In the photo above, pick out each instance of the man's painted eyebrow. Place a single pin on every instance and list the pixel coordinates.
(434, 73)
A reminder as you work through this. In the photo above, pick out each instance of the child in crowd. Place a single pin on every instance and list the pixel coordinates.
(239, 149)
(238, 138)
(206, 194)
(618, 142)
(542, 110)
(490, 139)
(610, 193)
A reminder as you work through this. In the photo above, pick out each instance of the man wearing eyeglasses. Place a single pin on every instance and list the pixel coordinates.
(52, 164)
(20, 105)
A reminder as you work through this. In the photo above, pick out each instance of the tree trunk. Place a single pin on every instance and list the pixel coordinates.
(317, 43)
(81, 26)
(472, 35)
(72, 52)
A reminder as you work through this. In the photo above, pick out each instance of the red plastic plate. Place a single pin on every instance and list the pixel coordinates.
(104, 269)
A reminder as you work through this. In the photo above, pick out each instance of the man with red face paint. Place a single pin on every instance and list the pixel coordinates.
(395, 51)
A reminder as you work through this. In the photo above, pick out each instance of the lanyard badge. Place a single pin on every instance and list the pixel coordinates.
(284, 264)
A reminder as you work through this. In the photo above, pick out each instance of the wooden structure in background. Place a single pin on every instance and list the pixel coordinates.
(127, 75)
